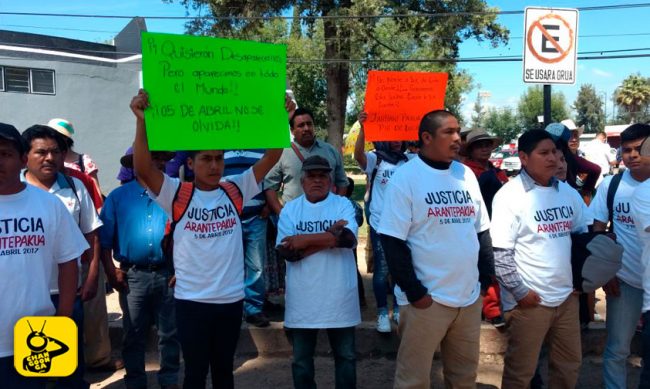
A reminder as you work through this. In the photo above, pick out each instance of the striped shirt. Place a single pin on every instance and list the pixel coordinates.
(237, 162)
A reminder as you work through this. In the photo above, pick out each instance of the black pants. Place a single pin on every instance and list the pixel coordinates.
(208, 334)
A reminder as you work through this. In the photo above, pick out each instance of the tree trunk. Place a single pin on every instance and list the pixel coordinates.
(337, 46)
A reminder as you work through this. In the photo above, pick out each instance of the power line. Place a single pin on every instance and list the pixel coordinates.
(71, 50)
(287, 17)
(432, 38)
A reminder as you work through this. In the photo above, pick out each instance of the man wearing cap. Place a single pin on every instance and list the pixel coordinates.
(133, 227)
(534, 215)
(434, 231)
(287, 171)
(316, 235)
(625, 291)
(640, 206)
(37, 233)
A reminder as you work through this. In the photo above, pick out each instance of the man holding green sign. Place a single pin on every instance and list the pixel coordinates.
(207, 249)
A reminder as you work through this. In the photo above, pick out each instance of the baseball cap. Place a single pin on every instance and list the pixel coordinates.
(559, 131)
(10, 133)
(572, 126)
(645, 147)
(316, 162)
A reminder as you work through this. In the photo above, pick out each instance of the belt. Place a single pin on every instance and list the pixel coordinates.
(146, 267)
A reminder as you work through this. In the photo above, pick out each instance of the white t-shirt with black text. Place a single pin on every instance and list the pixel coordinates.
(385, 171)
(36, 231)
(208, 246)
(641, 215)
(632, 269)
(321, 289)
(538, 224)
(438, 213)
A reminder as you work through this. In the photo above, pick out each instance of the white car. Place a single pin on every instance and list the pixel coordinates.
(511, 165)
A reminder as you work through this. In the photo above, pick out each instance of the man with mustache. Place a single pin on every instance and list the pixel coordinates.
(434, 231)
(287, 171)
(45, 157)
(316, 234)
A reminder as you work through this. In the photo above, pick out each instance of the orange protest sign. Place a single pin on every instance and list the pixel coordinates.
(396, 101)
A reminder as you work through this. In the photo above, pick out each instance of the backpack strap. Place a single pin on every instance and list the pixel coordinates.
(298, 153)
(234, 194)
(373, 175)
(611, 191)
(80, 162)
(181, 202)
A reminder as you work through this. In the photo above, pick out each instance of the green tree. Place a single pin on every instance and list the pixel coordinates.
(531, 105)
(346, 37)
(502, 123)
(633, 98)
(589, 109)
(479, 111)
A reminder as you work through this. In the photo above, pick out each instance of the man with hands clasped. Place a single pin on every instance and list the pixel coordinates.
(316, 235)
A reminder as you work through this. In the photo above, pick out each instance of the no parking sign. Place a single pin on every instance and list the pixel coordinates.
(550, 45)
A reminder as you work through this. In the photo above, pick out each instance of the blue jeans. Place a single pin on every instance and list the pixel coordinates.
(149, 300)
(622, 316)
(254, 233)
(341, 340)
(644, 382)
(76, 379)
(380, 282)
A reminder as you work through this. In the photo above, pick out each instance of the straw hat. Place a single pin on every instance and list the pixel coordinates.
(480, 134)
(62, 126)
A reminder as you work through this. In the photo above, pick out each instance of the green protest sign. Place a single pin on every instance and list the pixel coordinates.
(211, 93)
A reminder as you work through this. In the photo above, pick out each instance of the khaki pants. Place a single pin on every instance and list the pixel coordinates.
(97, 345)
(456, 330)
(527, 329)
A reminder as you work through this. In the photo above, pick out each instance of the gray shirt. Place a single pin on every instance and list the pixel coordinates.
(288, 169)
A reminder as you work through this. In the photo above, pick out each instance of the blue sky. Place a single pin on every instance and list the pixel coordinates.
(502, 79)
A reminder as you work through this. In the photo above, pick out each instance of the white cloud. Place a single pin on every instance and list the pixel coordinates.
(601, 73)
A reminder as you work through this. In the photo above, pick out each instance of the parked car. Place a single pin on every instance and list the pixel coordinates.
(511, 165)
(497, 157)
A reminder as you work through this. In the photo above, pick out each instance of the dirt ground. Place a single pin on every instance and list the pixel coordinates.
(372, 373)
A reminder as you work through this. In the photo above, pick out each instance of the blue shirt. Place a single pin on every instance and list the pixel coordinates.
(237, 162)
(133, 226)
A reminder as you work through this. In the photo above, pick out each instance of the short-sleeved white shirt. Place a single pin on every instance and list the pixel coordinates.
(641, 214)
(208, 248)
(632, 269)
(538, 224)
(321, 289)
(438, 213)
(36, 231)
(385, 171)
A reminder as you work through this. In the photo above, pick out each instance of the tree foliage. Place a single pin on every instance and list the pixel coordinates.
(633, 99)
(502, 123)
(479, 111)
(589, 109)
(531, 105)
(329, 86)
